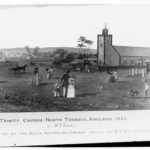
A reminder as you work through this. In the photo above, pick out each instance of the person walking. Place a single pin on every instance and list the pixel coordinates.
(36, 71)
(37, 79)
(51, 71)
(146, 88)
(48, 73)
(65, 82)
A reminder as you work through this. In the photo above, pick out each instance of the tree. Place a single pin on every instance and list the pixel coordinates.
(81, 42)
(81, 56)
(27, 49)
(57, 62)
(70, 57)
(35, 51)
(84, 44)
(88, 45)
(60, 51)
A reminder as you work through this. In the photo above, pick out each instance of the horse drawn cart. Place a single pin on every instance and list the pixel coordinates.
(17, 68)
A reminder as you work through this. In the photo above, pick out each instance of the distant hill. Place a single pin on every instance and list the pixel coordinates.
(49, 49)
(69, 49)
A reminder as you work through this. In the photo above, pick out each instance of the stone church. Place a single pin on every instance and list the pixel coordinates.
(109, 54)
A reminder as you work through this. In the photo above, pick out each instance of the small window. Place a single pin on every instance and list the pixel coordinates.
(132, 62)
(125, 62)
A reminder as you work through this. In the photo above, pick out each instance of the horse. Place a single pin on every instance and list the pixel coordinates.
(15, 69)
(22, 68)
(19, 68)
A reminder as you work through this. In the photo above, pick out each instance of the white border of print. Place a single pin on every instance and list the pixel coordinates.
(49, 128)
(74, 2)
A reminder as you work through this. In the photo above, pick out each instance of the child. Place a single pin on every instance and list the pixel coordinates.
(56, 90)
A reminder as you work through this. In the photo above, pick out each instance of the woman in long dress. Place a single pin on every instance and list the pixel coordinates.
(37, 79)
(48, 73)
(71, 88)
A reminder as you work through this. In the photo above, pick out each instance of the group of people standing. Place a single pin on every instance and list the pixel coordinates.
(113, 77)
(49, 72)
(66, 85)
(37, 77)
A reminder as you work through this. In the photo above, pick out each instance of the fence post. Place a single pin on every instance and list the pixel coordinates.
(136, 71)
(147, 67)
(143, 73)
(132, 71)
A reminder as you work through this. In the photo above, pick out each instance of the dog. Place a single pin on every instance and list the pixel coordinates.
(56, 90)
(133, 93)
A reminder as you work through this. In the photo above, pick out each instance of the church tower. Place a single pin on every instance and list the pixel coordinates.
(102, 41)
(105, 31)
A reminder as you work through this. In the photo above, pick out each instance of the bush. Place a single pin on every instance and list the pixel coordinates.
(81, 56)
(57, 62)
(68, 58)
(61, 52)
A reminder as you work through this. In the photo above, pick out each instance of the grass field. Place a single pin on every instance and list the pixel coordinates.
(23, 97)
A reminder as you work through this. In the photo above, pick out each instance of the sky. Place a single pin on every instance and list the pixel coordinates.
(62, 25)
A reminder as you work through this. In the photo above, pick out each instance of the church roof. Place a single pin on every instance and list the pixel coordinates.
(133, 51)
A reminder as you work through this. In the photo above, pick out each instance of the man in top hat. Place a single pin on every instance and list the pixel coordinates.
(65, 83)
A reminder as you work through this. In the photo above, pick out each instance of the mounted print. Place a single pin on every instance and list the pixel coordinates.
(80, 73)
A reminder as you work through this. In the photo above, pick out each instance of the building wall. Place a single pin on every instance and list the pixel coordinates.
(109, 54)
(132, 60)
(100, 49)
(112, 58)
